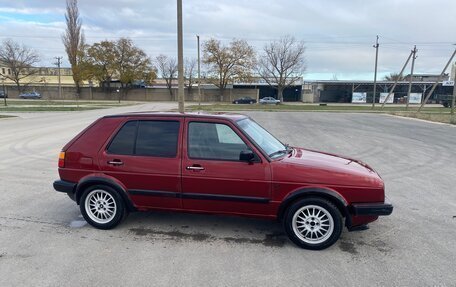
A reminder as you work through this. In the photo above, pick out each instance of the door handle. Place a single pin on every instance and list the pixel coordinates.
(115, 162)
(195, 167)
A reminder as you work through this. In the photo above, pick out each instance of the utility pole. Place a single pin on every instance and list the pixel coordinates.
(437, 82)
(199, 70)
(59, 61)
(180, 58)
(397, 79)
(411, 76)
(375, 74)
(453, 101)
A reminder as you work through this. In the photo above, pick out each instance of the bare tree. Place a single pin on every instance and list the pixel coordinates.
(19, 59)
(167, 67)
(282, 63)
(74, 41)
(227, 63)
(190, 72)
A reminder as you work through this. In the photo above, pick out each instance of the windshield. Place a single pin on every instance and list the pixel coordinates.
(267, 142)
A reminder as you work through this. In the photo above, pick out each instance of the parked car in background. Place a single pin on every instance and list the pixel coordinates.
(445, 100)
(3, 94)
(244, 100)
(269, 100)
(31, 95)
(216, 164)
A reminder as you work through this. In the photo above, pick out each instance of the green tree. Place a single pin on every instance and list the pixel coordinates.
(228, 63)
(100, 62)
(132, 62)
(117, 60)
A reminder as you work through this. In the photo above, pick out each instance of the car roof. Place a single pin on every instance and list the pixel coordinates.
(215, 115)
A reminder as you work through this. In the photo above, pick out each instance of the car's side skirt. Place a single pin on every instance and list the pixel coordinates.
(202, 196)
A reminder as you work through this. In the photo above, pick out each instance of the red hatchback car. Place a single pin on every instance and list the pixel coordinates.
(218, 164)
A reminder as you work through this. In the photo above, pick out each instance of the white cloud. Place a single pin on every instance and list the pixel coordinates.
(339, 34)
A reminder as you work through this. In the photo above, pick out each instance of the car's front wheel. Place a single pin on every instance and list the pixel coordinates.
(313, 223)
(102, 207)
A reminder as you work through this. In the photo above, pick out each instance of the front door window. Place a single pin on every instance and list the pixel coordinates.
(214, 141)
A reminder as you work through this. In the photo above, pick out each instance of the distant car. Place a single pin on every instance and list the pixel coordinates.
(245, 100)
(269, 100)
(31, 95)
(3, 94)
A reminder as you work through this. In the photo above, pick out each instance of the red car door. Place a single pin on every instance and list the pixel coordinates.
(214, 179)
(144, 155)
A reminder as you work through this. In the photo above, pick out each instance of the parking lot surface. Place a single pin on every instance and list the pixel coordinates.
(44, 241)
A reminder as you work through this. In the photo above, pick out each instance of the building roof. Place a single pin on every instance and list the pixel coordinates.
(364, 82)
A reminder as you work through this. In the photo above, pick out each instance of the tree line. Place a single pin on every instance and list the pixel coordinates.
(280, 63)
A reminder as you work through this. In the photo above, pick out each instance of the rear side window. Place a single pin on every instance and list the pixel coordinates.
(146, 138)
(124, 141)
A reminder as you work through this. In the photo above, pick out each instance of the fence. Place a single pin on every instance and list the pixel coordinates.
(140, 94)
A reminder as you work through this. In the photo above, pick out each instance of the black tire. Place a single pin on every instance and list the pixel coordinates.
(309, 225)
(236, 102)
(114, 208)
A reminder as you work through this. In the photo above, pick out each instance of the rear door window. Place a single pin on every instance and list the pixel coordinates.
(146, 138)
(157, 138)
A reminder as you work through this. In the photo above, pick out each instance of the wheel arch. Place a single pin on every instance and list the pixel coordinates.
(86, 182)
(332, 196)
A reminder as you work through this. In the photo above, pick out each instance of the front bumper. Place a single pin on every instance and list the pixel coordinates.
(66, 187)
(371, 209)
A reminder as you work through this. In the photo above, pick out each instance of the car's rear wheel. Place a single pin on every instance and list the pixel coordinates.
(236, 102)
(102, 207)
(313, 223)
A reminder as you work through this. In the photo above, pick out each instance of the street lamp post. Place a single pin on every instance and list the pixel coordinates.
(199, 70)
(4, 91)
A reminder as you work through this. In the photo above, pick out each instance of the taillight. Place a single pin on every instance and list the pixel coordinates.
(62, 159)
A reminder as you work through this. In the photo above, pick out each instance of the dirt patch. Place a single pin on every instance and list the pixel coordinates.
(276, 239)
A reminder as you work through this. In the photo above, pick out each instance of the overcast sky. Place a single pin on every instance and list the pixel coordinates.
(338, 34)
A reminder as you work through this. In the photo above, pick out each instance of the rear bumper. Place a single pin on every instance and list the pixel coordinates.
(66, 187)
(371, 209)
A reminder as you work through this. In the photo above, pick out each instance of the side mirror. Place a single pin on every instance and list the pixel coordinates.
(247, 156)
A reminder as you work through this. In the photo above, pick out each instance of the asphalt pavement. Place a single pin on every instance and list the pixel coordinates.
(44, 241)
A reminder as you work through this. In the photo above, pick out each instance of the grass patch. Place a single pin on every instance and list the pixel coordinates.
(17, 102)
(309, 108)
(58, 105)
(46, 109)
(5, 116)
(446, 118)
